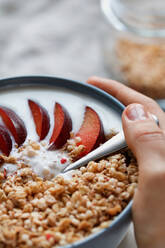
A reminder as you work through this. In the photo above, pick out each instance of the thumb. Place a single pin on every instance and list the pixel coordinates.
(144, 138)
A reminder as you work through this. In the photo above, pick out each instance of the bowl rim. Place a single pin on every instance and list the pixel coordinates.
(12, 82)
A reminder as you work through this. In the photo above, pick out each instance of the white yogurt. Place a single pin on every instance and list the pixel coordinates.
(46, 162)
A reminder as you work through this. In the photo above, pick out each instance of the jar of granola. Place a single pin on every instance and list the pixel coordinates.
(134, 44)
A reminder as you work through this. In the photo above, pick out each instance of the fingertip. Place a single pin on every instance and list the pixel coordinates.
(94, 80)
(142, 134)
(134, 112)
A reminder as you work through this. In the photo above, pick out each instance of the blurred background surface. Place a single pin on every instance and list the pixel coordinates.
(55, 37)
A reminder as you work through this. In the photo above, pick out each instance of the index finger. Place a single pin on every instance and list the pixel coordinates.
(127, 96)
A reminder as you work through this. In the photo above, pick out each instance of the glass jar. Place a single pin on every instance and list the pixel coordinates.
(134, 44)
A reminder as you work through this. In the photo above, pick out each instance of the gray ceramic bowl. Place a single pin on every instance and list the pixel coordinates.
(109, 237)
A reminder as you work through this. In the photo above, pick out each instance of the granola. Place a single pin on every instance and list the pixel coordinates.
(42, 213)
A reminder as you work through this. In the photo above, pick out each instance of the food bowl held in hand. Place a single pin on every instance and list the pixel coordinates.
(46, 123)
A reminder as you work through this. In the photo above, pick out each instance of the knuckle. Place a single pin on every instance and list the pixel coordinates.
(149, 101)
(149, 135)
(152, 104)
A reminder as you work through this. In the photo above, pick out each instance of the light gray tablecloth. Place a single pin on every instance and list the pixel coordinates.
(56, 37)
(53, 37)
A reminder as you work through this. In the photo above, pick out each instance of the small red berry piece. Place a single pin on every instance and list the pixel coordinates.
(63, 160)
(48, 236)
(106, 179)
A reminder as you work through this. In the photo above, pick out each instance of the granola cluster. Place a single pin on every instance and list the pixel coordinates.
(143, 66)
(42, 213)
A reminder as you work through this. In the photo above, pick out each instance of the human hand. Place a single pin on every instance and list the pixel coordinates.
(147, 142)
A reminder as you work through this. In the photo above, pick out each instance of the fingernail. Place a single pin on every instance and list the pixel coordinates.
(136, 112)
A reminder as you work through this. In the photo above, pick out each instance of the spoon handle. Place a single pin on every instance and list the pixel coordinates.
(116, 143)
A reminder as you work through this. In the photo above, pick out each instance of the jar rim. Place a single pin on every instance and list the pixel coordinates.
(121, 25)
